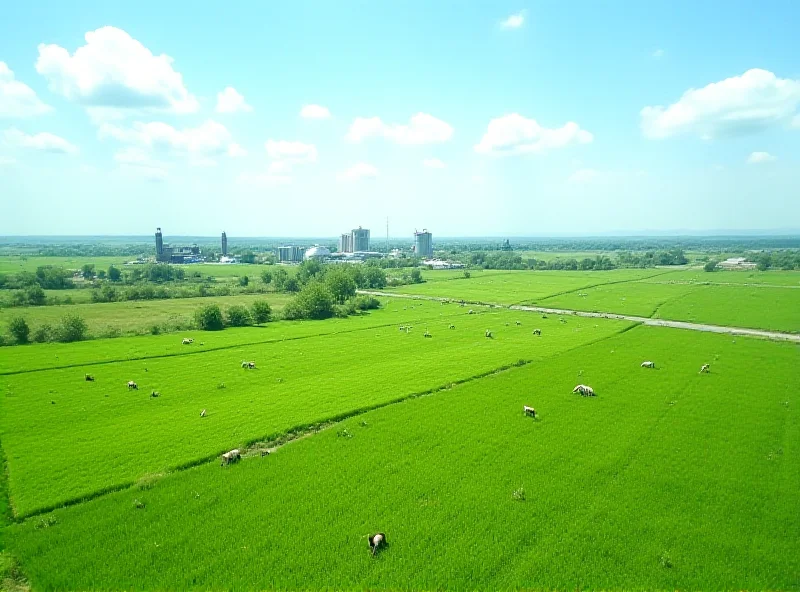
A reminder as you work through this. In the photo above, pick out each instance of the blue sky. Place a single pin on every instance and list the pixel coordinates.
(466, 118)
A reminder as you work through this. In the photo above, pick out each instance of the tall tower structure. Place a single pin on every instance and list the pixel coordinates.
(159, 245)
(423, 244)
(360, 239)
(224, 244)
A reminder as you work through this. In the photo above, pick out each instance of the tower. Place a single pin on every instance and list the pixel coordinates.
(224, 244)
(159, 245)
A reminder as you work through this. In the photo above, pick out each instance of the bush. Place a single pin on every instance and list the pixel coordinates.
(209, 318)
(710, 266)
(35, 296)
(238, 316)
(155, 330)
(43, 334)
(313, 302)
(266, 277)
(72, 328)
(366, 303)
(19, 329)
(416, 276)
(261, 311)
(342, 311)
(244, 280)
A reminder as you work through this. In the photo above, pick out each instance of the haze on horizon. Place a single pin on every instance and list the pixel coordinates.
(308, 119)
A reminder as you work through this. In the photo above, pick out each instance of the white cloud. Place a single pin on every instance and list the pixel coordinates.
(515, 134)
(230, 101)
(236, 151)
(208, 139)
(796, 121)
(759, 157)
(132, 155)
(584, 176)
(114, 70)
(315, 112)
(261, 180)
(18, 99)
(587, 176)
(44, 141)
(515, 21)
(292, 151)
(751, 102)
(7, 161)
(279, 166)
(422, 129)
(362, 170)
(433, 163)
(146, 173)
(658, 54)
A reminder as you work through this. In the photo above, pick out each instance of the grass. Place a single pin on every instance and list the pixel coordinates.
(668, 479)
(13, 264)
(133, 317)
(766, 278)
(53, 421)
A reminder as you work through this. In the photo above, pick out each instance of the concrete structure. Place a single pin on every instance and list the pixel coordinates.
(439, 264)
(317, 253)
(290, 254)
(360, 239)
(171, 254)
(224, 244)
(737, 263)
(159, 245)
(423, 244)
(346, 243)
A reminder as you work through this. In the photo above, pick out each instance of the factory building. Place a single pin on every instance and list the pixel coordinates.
(346, 243)
(423, 244)
(224, 244)
(360, 240)
(290, 254)
(175, 254)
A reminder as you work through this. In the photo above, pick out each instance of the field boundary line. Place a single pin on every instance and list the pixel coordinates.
(653, 322)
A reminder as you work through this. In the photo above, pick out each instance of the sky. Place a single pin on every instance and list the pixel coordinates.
(479, 118)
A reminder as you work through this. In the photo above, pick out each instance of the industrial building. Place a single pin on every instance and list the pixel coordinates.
(360, 240)
(346, 243)
(224, 244)
(175, 254)
(423, 243)
(290, 254)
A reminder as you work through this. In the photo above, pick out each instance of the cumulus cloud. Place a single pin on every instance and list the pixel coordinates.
(230, 101)
(236, 151)
(433, 163)
(291, 151)
(742, 104)
(515, 134)
(43, 141)
(362, 170)
(421, 129)
(114, 70)
(759, 157)
(515, 21)
(18, 99)
(315, 112)
(208, 139)
(7, 161)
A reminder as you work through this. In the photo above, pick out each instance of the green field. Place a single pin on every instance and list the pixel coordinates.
(10, 264)
(771, 278)
(134, 316)
(668, 479)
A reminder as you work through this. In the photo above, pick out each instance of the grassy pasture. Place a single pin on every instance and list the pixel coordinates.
(12, 264)
(107, 436)
(668, 479)
(514, 287)
(135, 316)
(767, 278)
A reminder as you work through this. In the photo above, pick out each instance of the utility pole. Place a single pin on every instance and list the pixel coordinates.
(387, 235)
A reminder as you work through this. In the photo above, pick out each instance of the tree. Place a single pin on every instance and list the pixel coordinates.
(244, 280)
(114, 274)
(308, 270)
(261, 311)
(341, 285)
(88, 271)
(416, 276)
(266, 277)
(72, 328)
(291, 285)
(247, 257)
(19, 329)
(466, 274)
(35, 296)
(710, 266)
(209, 318)
(279, 279)
(43, 333)
(314, 301)
(374, 277)
(238, 316)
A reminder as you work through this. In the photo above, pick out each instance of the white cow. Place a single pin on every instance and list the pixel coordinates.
(187, 341)
(529, 411)
(648, 364)
(488, 334)
(537, 331)
(231, 457)
(132, 386)
(375, 541)
(705, 369)
(583, 390)
(203, 413)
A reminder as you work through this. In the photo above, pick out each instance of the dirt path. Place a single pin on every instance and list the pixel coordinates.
(774, 335)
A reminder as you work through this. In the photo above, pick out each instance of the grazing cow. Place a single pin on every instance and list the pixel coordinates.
(426, 334)
(231, 457)
(251, 365)
(583, 390)
(537, 331)
(705, 369)
(488, 334)
(155, 394)
(529, 411)
(471, 311)
(452, 326)
(375, 541)
(89, 378)
(132, 386)
(187, 340)
(518, 324)
(402, 327)
(203, 413)
(648, 364)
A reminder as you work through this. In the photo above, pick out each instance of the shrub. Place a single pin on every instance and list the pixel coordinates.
(416, 276)
(313, 302)
(366, 303)
(110, 332)
(72, 328)
(266, 277)
(710, 266)
(238, 316)
(155, 330)
(261, 311)
(342, 311)
(209, 318)
(244, 280)
(19, 329)
(35, 296)
(43, 333)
